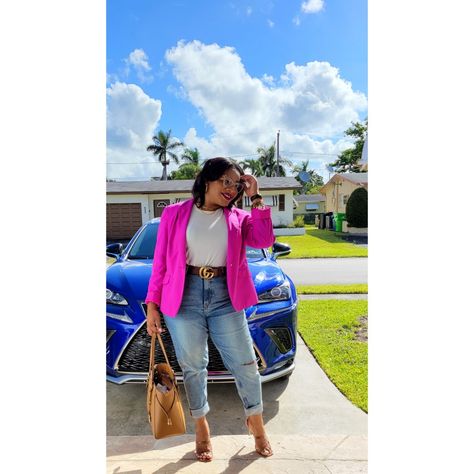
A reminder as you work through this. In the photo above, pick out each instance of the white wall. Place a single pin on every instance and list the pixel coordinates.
(279, 217)
(171, 197)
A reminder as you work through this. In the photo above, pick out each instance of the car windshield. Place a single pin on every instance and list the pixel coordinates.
(144, 246)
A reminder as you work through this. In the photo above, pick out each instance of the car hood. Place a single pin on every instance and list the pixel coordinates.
(131, 277)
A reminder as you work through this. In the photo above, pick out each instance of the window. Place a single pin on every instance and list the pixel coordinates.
(267, 200)
(281, 202)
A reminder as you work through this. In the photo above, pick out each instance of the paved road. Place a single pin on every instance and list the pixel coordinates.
(321, 271)
(341, 296)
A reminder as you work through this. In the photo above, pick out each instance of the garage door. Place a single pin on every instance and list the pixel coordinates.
(123, 220)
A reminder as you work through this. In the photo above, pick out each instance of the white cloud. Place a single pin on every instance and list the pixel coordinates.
(270, 80)
(271, 24)
(310, 103)
(139, 61)
(132, 117)
(312, 6)
(296, 20)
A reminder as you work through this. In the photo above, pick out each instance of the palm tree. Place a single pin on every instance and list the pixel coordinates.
(191, 156)
(269, 162)
(255, 167)
(162, 147)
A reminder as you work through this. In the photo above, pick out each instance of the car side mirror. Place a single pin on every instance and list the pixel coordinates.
(114, 250)
(280, 249)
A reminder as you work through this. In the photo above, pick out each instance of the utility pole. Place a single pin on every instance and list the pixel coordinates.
(278, 153)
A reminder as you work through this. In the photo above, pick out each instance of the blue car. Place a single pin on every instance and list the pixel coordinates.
(272, 321)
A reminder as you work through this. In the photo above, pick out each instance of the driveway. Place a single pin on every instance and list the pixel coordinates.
(312, 426)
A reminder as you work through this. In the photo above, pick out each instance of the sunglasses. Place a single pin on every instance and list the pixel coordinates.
(230, 183)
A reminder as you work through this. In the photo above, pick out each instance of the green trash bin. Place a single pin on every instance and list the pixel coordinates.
(338, 218)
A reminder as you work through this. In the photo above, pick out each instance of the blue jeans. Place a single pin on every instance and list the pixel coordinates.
(206, 309)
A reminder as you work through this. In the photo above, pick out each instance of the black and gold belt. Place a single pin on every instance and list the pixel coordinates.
(206, 273)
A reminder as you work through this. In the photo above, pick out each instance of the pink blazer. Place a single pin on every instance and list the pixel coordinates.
(168, 275)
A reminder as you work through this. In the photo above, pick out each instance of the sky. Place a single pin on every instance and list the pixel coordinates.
(225, 76)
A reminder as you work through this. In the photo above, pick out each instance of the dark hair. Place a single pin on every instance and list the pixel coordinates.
(212, 170)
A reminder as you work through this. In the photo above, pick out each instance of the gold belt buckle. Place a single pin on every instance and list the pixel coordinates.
(206, 273)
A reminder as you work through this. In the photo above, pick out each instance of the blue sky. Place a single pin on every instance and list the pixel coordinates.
(225, 76)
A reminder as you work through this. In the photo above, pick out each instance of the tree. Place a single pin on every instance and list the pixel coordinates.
(269, 163)
(255, 167)
(349, 159)
(191, 156)
(186, 171)
(357, 207)
(162, 148)
(315, 182)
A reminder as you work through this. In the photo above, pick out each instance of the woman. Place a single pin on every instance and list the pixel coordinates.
(201, 282)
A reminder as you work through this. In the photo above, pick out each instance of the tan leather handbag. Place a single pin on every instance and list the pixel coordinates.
(165, 411)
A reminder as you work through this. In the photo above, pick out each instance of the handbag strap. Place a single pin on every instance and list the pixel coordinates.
(152, 350)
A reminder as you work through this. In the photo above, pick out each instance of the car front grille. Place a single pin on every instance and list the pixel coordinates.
(136, 356)
(281, 337)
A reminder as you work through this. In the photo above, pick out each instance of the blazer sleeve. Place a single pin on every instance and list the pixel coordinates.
(257, 228)
(155, 285)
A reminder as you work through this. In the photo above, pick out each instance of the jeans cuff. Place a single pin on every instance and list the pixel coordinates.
(201, 412)
(255, 410)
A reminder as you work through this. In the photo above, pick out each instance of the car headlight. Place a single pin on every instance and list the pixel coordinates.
(115, 298)
(277, 293)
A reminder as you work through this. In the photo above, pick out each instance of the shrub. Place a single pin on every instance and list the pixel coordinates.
(298, 221)
(308, 217)
(356, 208)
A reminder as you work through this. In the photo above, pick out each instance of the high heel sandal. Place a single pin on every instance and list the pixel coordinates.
(206, 454)
(265, 451)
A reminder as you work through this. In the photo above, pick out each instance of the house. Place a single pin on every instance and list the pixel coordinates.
(338, 189)
(309, 205)
(132, 203)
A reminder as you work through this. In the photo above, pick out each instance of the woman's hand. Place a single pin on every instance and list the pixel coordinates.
(153, 323)
(250, 184)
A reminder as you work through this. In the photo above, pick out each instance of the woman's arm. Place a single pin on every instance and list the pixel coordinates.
(257, 228)
(155, 285)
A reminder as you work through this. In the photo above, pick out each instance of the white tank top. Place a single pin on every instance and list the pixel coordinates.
(206, 238)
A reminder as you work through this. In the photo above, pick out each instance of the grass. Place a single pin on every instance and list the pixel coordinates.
(328, 328)
(362, 288)
(320, 243)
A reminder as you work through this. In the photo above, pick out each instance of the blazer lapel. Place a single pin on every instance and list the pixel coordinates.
(182, 219)
(231, 229)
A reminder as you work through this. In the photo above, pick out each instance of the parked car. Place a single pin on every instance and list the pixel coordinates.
(272, 321)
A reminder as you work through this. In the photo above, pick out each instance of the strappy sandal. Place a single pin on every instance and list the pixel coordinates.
(264, 451)
(204, 455)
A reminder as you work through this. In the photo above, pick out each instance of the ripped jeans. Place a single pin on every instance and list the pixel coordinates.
(206, 309)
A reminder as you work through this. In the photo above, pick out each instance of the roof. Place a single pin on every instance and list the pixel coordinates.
(357, 178)
(310, 197)
(360, 179)
(186, 185)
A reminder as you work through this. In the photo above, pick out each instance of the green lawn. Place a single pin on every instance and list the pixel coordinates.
(328, 328)
(320, 243)
(362, 288)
